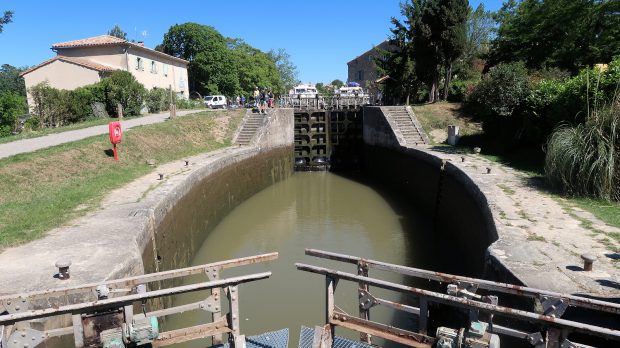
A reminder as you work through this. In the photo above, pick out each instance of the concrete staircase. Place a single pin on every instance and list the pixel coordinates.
(406, 126)
(252, 123)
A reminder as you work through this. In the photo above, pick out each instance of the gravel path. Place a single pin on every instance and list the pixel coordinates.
(34, 144)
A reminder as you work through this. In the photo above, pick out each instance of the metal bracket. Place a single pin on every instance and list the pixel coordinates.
(367, 300)
(16, 305)
(213, 273)
(322, 337)
(553, 306)
(25, 338)
(536, 339)
(210, 304)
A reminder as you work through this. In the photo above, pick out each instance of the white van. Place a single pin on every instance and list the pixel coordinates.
(215, 102)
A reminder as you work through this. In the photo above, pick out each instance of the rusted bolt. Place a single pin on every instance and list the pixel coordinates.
(63, 269)
(161, 176)
(588, 260)
(488, 170)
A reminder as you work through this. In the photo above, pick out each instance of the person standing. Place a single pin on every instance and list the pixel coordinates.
(256, 96)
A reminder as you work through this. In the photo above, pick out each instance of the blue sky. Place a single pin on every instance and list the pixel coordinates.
(321, 36)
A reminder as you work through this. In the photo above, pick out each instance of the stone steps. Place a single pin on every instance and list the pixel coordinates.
(250, 127)
(406, 125)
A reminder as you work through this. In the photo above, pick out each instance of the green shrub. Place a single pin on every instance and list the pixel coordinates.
(157, 99)
(189, 104)
(499, 98)
(81, 100)
(11, 107)
(585, 159)
(51, 106)
(122, 88)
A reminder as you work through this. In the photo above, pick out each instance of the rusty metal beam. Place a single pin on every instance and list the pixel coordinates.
(466, 303)
(131, 282)
(192, 333)
(483, 284)
(391, 333)
(125, 300)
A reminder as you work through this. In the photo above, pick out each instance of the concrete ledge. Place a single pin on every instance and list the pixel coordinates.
(528, 237)
(116, 240)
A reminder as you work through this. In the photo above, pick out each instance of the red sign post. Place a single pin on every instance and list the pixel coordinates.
(116, 135)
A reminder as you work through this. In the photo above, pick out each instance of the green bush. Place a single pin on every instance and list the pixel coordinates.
(585, 159)
(51, 106)
(157, 99)
(81, 100)
(122, 88)
(499, 98)
(11, 107)
(189, 104)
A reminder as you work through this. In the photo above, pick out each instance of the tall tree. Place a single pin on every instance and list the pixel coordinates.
(453, 15)
(480, 25)
(118, 32)
(568, 34)
(287, 70)
(10, 81)
(188, 41)
(6, 19)
(337, 83)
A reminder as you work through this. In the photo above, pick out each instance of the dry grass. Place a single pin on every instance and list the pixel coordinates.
(44, 189)
(436, 118)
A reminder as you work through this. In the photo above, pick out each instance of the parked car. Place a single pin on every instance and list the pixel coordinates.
(215, 101)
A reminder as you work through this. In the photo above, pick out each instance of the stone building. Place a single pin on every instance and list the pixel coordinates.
(363, 69)
(86, 61)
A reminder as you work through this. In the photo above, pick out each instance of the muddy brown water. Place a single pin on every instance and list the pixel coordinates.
(309, 210)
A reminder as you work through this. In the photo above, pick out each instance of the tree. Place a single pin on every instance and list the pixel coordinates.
(118, 32)
(287, 70)
(187, 41)
(224, 65)
(480, 24)
(6, 19)
(10, 81)
(567, 34)
(337, 83)
(11, 107)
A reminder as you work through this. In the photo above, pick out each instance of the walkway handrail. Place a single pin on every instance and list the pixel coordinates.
(109, 319)
(573, 300)
(436, 297)
(131, 282)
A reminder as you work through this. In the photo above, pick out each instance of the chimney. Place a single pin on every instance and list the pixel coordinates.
(141, 43)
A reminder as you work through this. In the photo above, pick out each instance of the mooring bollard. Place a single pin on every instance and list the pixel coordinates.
(488, 170)
(186, 163)
(63, 269)
(588, 260)
(161, 176)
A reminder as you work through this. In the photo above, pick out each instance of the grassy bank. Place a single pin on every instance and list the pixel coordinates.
(435, 119)
(73, 126)
(45, 189)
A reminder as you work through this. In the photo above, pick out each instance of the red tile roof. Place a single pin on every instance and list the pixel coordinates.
(107, 40)
(78, 61)
(91, 41)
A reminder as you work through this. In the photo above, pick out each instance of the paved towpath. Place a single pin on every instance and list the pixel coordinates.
(33, 144)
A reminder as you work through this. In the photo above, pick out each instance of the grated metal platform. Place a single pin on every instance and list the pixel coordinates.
(307, 334)
(273, 339)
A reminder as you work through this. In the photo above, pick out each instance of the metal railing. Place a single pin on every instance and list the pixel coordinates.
(102, 314)
(461, 293)
(322, 102)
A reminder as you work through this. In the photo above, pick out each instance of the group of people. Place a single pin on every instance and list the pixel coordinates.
(240, 101)
(264, 99)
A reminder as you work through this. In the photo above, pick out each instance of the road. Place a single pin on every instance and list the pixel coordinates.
(34, 144)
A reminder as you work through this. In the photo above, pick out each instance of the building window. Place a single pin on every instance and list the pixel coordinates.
(165, 69)
(139, 64)
(153, 67)
(360, 75)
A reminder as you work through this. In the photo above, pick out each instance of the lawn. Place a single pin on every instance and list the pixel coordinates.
(47, 188)
(435, 119)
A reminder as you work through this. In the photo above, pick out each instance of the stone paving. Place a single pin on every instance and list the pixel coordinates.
(541, 237)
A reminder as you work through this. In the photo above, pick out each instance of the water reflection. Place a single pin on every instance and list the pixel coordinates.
(309, 210)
